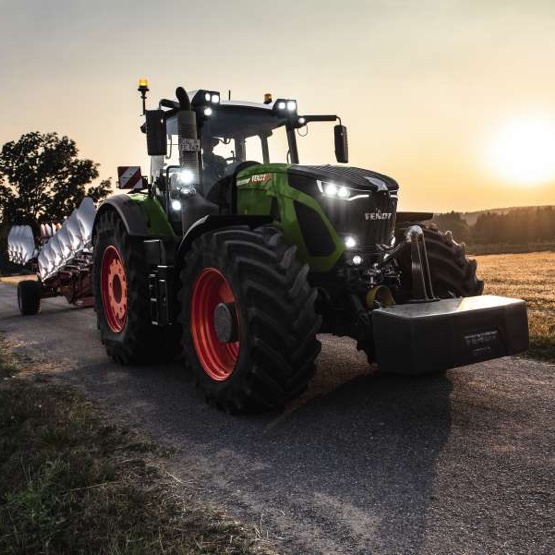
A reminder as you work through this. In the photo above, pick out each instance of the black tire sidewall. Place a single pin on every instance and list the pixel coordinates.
(277, 320)
(28, 297)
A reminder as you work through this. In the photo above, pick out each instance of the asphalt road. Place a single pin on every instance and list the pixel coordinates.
(462, 463)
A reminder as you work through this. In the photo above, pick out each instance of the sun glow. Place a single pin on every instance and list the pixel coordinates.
(523, 151)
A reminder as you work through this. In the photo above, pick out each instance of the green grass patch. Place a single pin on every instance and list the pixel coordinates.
(542, 347)
(73, 483)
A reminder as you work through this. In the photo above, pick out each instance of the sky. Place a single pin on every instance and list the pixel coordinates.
(455, 99)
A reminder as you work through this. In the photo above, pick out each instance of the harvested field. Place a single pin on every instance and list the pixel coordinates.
(531, 277)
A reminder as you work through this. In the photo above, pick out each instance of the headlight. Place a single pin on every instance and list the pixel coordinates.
(350, 242)
(330, 189)
(333, 190)
(185, 177)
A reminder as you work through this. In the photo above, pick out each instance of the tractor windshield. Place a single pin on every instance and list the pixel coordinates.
(237, 132)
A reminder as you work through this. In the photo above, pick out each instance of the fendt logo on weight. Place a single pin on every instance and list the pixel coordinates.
(379, 215)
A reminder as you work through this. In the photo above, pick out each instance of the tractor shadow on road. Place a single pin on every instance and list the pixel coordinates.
(367, 451)
(355, 458)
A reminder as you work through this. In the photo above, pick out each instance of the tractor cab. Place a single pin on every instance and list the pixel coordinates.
(221, 137)
(233, 133)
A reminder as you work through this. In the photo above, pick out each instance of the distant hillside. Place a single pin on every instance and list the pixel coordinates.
(472, 217)
(528, 226)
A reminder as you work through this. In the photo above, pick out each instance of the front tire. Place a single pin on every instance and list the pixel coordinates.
(248, 319)
(453, 274)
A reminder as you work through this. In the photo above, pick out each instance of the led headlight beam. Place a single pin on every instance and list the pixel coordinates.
(350, 242)
(330, 189)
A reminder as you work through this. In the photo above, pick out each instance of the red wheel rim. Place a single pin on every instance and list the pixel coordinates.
(113, 282)
(209, 290)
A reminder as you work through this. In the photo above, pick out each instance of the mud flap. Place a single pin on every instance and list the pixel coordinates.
(423, 338)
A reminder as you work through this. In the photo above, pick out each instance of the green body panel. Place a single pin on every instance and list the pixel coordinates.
(259, 185)
(155, 217)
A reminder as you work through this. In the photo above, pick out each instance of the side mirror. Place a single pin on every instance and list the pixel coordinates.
(156, 143)
(341, 144)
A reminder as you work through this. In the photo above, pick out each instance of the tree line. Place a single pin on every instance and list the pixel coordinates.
(515, 225)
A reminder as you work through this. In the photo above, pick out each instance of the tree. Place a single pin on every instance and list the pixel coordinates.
(454, 222)
(42, 179)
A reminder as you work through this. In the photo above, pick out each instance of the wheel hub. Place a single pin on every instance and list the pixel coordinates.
(214, 324)
(114, 289)
(225, 322)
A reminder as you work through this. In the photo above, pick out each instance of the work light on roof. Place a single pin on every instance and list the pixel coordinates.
(286, 107)
(205, 98)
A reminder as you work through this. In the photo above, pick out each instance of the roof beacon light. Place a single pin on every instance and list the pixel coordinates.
(268, 98)
(143, 89)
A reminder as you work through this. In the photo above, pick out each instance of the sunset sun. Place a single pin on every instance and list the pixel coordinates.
(523, 151)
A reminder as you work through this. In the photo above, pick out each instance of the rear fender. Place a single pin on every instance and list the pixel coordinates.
(413, 217)
(142, 215)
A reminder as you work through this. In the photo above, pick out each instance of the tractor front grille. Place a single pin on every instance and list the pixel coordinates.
(369, 220)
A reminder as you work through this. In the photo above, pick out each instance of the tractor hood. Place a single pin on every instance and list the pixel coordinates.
(358, 178)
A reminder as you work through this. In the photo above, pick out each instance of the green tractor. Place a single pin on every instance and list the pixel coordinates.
(237, 256)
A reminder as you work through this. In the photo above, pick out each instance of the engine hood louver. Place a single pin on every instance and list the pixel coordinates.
(356, 177)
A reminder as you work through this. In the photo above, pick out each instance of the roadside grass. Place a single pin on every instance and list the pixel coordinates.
(72, 482)
(530, 277)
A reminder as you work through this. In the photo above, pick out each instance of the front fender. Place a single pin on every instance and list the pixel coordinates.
(212, 222)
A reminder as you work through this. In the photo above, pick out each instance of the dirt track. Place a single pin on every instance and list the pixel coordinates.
(462, 463)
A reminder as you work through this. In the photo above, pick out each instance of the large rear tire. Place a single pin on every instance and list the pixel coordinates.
(248, 319)
(120, 281)
(28, 297)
